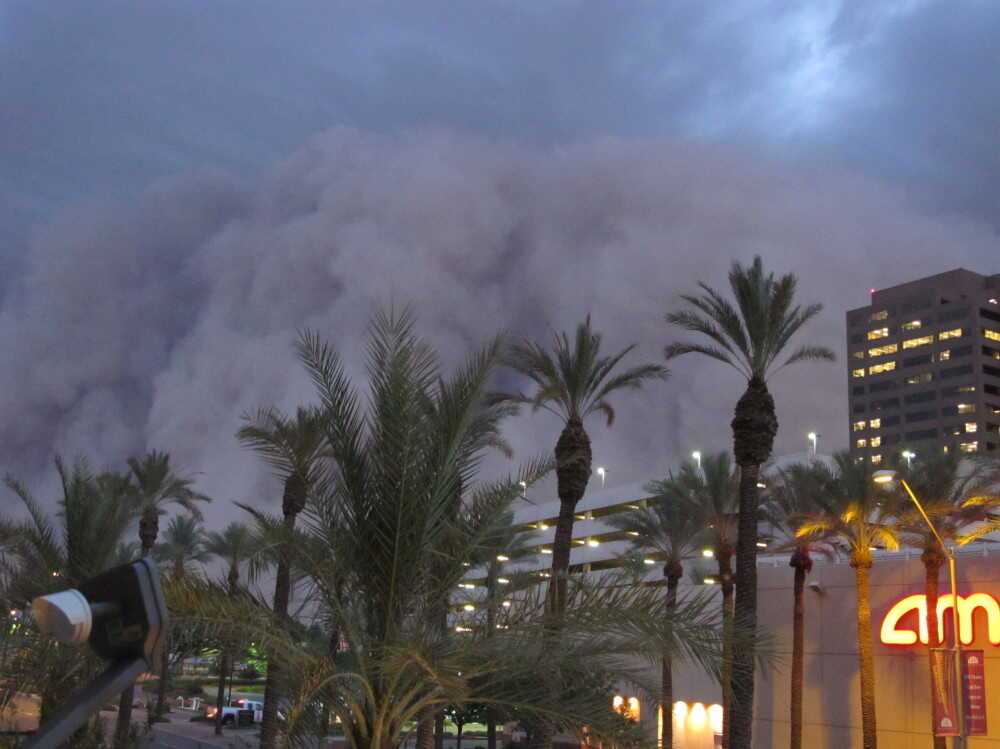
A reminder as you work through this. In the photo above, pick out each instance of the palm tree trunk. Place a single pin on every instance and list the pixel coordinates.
(273, 683)
(933, 559)
(458, 736)
(862, 569)
(798, 636)
(439, 730)
(666, 671)
(724, 558)
(754, 426)
(149, 526)
(161, 690)
(573, 464)
(220, 698)
(425, 729)
(492, 573)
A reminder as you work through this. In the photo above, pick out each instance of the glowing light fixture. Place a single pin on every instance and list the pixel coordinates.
(649, 561)
(546, 551)
(593, 542)
(503, 580)
(707, 553)
(469, 607)
(885, 476)
(603, 473)
(462, 629)
(503, 558)
(506, 604)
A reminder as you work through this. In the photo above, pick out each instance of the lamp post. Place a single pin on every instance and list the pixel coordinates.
(602, 472)
(697, 458)
(812, 436)
(887, 477)
(908, 456)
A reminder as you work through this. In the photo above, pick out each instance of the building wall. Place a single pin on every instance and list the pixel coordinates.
(832, 716)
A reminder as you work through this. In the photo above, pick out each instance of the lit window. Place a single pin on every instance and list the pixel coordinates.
(993, 335)
(880, 315)
(860, 425)
(861, 443)
(876, 459)
(919, 379)
(875, 423)
(970, 426)
(911, 325)
(879, 333)
(889, 348)
(945, 334)
(966, 408)
(921, 341)
(944, 355)
(858, 354)
(880, 368)
(876, 441)
(628, 707)
(968, 447)
(858, 372)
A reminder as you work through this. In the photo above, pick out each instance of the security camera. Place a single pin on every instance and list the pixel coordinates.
(816, 587)
(121, 613)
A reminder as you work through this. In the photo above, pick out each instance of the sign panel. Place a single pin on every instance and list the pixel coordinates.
(943, 683)
(974, 692)
(906, 623)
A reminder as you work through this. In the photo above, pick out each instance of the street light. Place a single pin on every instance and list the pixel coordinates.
(524, 489)
(812, 439)
(697, 458)
(908, 456)
(886, 476)
(602, 473)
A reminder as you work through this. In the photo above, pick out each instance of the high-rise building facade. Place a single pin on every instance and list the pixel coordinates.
(923, 367)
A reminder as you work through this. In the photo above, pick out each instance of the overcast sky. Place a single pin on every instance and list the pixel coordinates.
(184, 184)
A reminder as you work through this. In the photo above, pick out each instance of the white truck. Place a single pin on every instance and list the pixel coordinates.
(230, 714)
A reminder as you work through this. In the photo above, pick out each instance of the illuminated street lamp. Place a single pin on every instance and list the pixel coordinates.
(602, 473)
(887, 477)
(908, 456)
(524, 489)
(812, 442)
(697, 458)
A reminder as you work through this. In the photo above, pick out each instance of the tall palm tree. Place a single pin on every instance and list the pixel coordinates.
(712, 489)
(292, 447)
(573, 381)
(183, 545)
(157, 487)
(235, 546)
(791, 498)
(750, 337)
(675, 531)
(959, 495)
(852, 512)
(390, 478)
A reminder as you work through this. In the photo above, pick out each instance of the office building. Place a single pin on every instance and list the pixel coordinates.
(923, 367)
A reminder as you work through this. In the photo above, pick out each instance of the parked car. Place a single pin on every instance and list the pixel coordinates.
(231, 713)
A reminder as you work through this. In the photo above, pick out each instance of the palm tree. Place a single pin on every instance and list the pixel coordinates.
(157, 486)
(573, 382)
(675, 531)
(711, 488)
(749, 337)
(792, 497)
(292, 447)
(852, 512)
(390, 475)
(183, 545)
(236, 546)
(44, 554)
(959, 495)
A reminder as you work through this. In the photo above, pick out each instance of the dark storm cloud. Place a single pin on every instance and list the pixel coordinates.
(475, 177)
(158, 324)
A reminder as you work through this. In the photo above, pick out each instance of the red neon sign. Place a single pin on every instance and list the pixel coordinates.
(892, 633)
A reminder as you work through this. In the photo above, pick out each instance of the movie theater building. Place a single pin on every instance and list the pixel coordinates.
(831, 700)
(831, 713)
